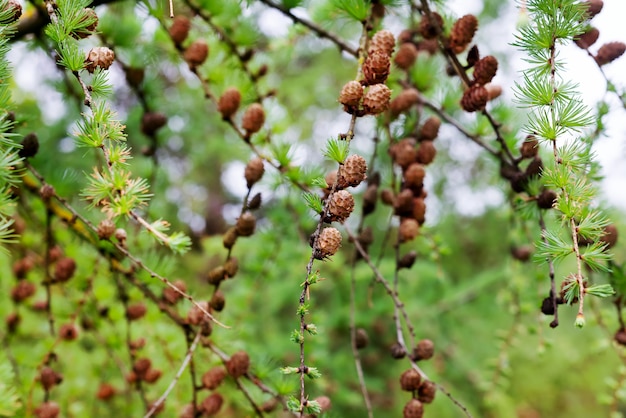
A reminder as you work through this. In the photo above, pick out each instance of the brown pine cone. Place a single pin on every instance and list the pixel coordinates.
(245, 224)
(382, 42)
(404, 152)
(414, 176)
(403, 102)
(180, 29)
(609, 235)
(406, 56)
(328, 243)
(229, 102)
(99, 57)
(352, 172)
(376, 68)
(231, 266)
(426, 152)
(397, 351)
(594, 7)
(196, 53)
(106, 229)
(588, 38)
(324, 403)
(463, 32)
(430, 129)
(64, 269)
(90, 14)
(493, 90)
(22, 290)
(68, 332)
(141, 366)
(406, 36)
(620, 336)
(22, 266)
(474, 99)
(369, 199)
(105, 392)
(419, 210)
(409, 230)
(340, 206)
(254, 171)
(361, 339)
(151, 122)
(253, 118)
(216, 275)
(609, 52)
(170, 295)
(152, 375)
(48, 409)
(407, 260)
(351, 94)
(212, 404)
(49, 378)
(230, 237)
(376, 99)
(238, 364)
(546, 199)
(195, 316)
(30, 146)
(473, 55)
(410, 380)
(403, 204)
(413, 409)
(424, 350)
(430, 46)
(16, 11)
(426, 392)
(213, 378)
(217, 301)
(136, 311)
(530, 147)
(485, 69)
(387, 197)
(429, 28)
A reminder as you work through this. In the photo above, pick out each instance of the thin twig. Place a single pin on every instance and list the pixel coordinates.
(380, 279)
(318, 30)
(355, 350)
(182, 368)
(127, 253)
